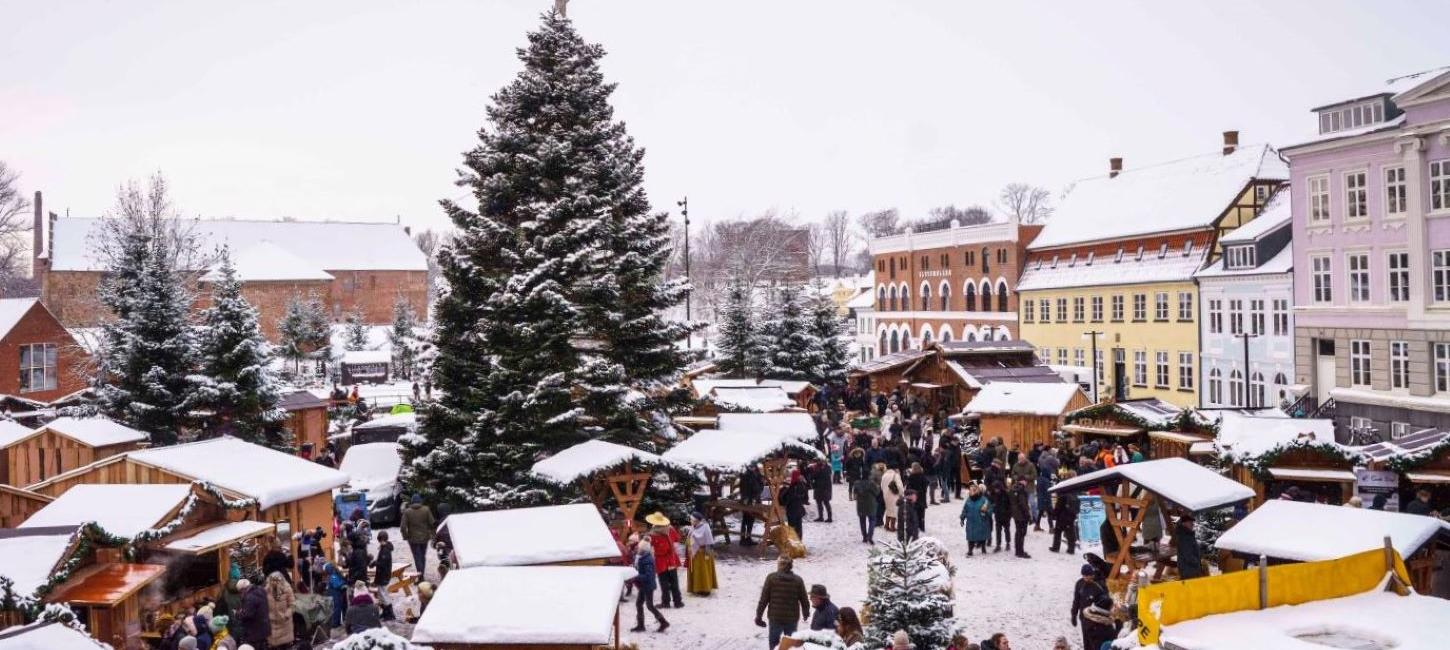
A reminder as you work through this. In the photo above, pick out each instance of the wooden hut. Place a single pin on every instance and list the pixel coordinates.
(571, 534)
(1272, 452)
(61, 446)
(1150, 423)
(1023, 414)
(604, 471)
(955, 371)
(518, 608)
(1422, 462)
(306, 419)
(18, 504)
(366, 366)
(884, 373)
(723, 455)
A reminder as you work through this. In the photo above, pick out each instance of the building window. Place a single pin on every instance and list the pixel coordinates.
(1321, 269)
(1235, 389)
(1140, 307)
(1358, 276)
(1395, 193)
(986, 297)
(1240, 257)
(968, 257)
(1140, 367)
(1215, 387)
(1256, 390)
(1117, 309)
(1185, 371)
(1215, 317)
(1160, 306)
(926, 297)
(1077, 357)
(1002, 296)
(1061, 354)
(1440, 274)
(1399, 364)
(1399, 276)
(1399, 430)
(1256, 317)
(1185, 307)
(38, 367)
(1160, 369)
(1046, 306)
(969, 293)
(1028, 307)
(1440, 185)
(1235, 317)
(1359, 424)
(1356, 204)
(1281, 317)
(1077, 309)
(1098, 361)
(925, 263)
(1097, 309)
(1318, 199)
(1001, 256)
(1442, 367)
(946, 296)
(1359, 374)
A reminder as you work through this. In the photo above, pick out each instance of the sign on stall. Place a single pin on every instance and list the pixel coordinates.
(1373, 486)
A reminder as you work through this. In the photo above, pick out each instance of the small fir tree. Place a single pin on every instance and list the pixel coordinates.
(402, 338)
(792, 351)
(908, 587)
(834, 355)
(355, 335)
(302, 330)
(377, 639)
(737, 352)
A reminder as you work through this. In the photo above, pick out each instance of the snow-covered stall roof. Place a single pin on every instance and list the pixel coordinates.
(45, 635)
(1180, 195)
(367, 356)
(269, 476)
(797, 426)
(1004, 397)
(763, 399)
(732, 451)
(588, 457)
(1249, 434)
(28, 555)
(524, 605)
(12, 432)
(1155, 411)
(1412, 622)
(331, 245)
(267, 261)
(12, 310)
(372, 465)
(220, 535)
(527, 536)
(95, 431)
(1308, 532)
(120, 509)
(1177, 480)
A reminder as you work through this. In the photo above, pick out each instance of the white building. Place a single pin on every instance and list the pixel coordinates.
(1249, 289)
(862, 311)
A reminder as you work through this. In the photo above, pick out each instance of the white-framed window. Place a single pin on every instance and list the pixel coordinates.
(1160, 369)
(1046, 306)
(1185, 371)
(1078, 357)
(1185, 306)
(1119, 257)
(1440, 185)
(1256, 389)
(1360, 423)
(1399, 364)
(1077, 309)
(1442, 367)
(1241, 257)
(1140, 306)
(1281, 317)
(1098, 361)
(1356, 195)
(1318, 199)
(1215, 316)
(1395, 192)
(1062, 310)
(1160, 306)
(1215, 386)
(1061, 356)
(1397, 271)
(38, 363)
(1029, 311)
(1235, 388)
(1359, 374)
(1399, 430)
(1440, 274)
(1188, 248)
(1235, 317)
(1321, 269)
(1163, 251)
(1097, 309)
(1358, 274)
(1256, 317)
(1118, 308)
(1140, 367)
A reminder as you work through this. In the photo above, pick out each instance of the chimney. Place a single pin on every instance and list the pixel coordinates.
(1230, 142)
(408, 230)
(37, 235)
(1115, 167)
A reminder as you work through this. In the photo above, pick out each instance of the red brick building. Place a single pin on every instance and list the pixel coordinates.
(958, 283)
(38, 358)
(347, 266)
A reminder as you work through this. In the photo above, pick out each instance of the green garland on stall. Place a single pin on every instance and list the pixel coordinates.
(1402, 463)
(1184, 421)
(1259, 465)
(170, 527)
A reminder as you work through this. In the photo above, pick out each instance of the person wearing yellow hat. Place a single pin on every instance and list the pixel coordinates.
(663, 537)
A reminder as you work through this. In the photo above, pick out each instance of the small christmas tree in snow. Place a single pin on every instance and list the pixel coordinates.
(355, 336)
(826, 640)
(826, 329)
(402, 338)
(909, 588)
(377, 639)
(791, 348)
(737, 352)
(303, 330)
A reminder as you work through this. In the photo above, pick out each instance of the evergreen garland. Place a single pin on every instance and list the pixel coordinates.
(1259, 464)
(1413, 460)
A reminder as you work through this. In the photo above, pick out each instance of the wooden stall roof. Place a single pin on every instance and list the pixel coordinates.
(109, 585)
(47, 635)
(1177, 480)
(300, 400)
(1179, 436)
(26, 494)
(221, 535)
(1312, 474)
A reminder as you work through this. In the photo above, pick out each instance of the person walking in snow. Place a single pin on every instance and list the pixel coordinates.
(977, 518)
(783, 601)
(1021, 514)
(663, 538)
(1185, 542)
(416, 526)
(793, 499)
(1001, 514)
(646, 581)
(752, 486)
(866, 493)
(821, 488)
(1064, 520)
(916, 482)
(1084, 594)
(906, 528)
(891, 489)
(824, 617)
(701, 557)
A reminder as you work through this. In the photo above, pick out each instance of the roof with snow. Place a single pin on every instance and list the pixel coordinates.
(1374, 619)
(371, 465)
(94, 431)
(44, 635)
(704, 385)
(589, 457)
(405, 420)
(529, 536)
(1185, 194)
(548, 605)
(1273, 216)
(1293, 530)
(12, 432)
(1244, 434)
(349, 246)
(893, 360)
(1390, 87)
(1128, 268)
(269, 476)
(12, 310)
(123, 510)
(1177, 480)
(797, 426)
(29, 555)
(1156, 411)
(367, 356)
(298, 400)
(733, 451)
(222, 534)
(1281, 262)
(268, 261)
(761, 399)
(1008, 397)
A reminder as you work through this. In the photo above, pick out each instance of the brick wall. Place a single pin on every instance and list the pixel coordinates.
(38, 326)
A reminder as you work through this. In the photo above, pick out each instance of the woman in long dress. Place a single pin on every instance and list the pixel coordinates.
(701, 553)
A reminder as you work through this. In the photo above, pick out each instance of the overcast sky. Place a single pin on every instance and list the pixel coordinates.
(359, 110)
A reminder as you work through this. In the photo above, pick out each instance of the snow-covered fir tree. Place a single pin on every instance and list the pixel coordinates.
(377, 639)
(302, 330)
(908, 587)
(355, 333)
(403, 339)
(737, 348)
(233, 382)
(827, 328)
(791, 349)
(552, 288)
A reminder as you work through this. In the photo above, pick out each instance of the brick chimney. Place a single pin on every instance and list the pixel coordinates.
(37, 236)
(1115, 167)
(1230, 142)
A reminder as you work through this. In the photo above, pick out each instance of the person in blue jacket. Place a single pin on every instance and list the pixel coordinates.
(977, 516)
(644, 566)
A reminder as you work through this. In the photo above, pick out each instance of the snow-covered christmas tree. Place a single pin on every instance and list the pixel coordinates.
(827, 329)
(355, 333)
(403, 339)
(908, 587)
(791, 349)
(233, 382)
(377, 639)
(737, 348)
(302, 330)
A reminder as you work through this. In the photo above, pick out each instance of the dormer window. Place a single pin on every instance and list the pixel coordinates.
(1139, 257)
(1353, 116)
(1073, 260)
(1163, 251)
(1090, 258)
(1038, 267)
(1240, 257)
(1054, 261)
(1119, 257)
(1188, 248)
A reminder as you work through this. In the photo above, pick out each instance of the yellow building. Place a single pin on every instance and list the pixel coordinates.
(1117, 259)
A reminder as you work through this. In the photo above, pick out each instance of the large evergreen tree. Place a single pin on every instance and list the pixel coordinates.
(303, 329)
(792, 351)
(833, 353)
(908, 588)
(234, 386)
(737, 348)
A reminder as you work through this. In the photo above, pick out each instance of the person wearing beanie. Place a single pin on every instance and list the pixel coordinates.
(254, 624)
(1085, 593)
(416, 526)
(825, 616)
(221, 638)
(363, 613)
(186, 643)
(900, 641)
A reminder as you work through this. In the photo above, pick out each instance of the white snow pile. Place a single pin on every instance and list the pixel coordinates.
(732, 451)
(372, 465)
(1179, 480)
(123, 510)
(47, 636)
(221, 534)
(95, 432)
(524, 605)
(796, 426)
(1293, 530)
(269, 476)
(1244, 435)
(528, 536)
(759, 399)
(367, 356)
(1010, 398)
(12, 432)
(587, 458)
(378, 638)
(27, 558)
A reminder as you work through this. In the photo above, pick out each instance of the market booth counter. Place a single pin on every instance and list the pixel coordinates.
(525, 608)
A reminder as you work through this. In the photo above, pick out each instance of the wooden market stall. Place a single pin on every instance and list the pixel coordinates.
(801, 393)
(1271, 452)
(1129, 490)
(953, 372)
(571, 534)
(365, 366)
(1024, 414)
(1135, 422)
(60, 446)
(517, 608)
(306, 419)
(1422, 461)
(796, 426)
(17, 505)
(107, 597)
(604, 471)
(721, 456)
(884, 373)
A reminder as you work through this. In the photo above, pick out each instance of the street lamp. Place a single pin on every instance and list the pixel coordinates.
(685, 212)
(1094, 334)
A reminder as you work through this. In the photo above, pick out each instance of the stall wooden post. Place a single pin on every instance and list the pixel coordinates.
(1125, 514)
(628, 489)
(775, 475)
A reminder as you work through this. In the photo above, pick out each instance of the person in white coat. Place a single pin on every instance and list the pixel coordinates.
(891, 491)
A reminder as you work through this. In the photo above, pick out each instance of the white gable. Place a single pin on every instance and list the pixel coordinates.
(269, 476)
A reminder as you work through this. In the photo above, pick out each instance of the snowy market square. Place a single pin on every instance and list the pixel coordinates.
(584, 325)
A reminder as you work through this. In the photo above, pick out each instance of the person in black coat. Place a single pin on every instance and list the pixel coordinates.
(916, 480)
(384, 562)
(253, 626)
(1185, 542)
(821, 491)
(794, 500)
(951, 467)
(752, 486)
(1084, 594)
(1064, 522)
(906, 528)
(1021, 514)
(1001, 513)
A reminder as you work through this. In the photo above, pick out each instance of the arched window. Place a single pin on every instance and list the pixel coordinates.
(925, 337)
(905, 298)
(881, 298)
(986, 296)
(895, 343)
(946, 296)
(926, 297)
(1003, 334)
(883, 342)
(1282, 383)
(1001, 295)
(893, 298)
(1236, 389)
(985, 255)
(1215, 387)
(946, 334)
(1256, 389)
(969, 336)
(969, 292)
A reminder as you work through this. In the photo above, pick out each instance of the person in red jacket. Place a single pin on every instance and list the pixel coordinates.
(663, 538)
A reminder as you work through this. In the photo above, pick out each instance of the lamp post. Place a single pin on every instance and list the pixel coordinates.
(685, 212)
(1248, 375)
(1094, 334)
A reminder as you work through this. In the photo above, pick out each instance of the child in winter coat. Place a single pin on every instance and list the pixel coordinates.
(646, 580)
(384, 562)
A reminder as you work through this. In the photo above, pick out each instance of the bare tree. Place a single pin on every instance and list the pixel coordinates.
(1028, 203)
(817, 246)
(839, 238)
(430, 241)
(147, 213)
(880, 223)
(14, 225)
(758, 252)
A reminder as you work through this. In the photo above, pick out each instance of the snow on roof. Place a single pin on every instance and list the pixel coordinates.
(220, 534)
(367, 356)
(762, 399)
(348, 246)
(266, 260)
(588, 457)
(1250, 434)
(1110, 270)
(46, 636)
(526, 536)
(1272, 217)
(962, 374)
(12, 432)
(28, 556)
(732, 451)
(524, 605)
(371, 465)
(1156, 411)
(866, 299)
(1412, 622)
(1293, 530)
(1281, 262)
(798, 426)
(95, 431)
(1391, 87)
(1178, 480)
(122, 510)
(1181, 195)
(1003, 397)
(269, 476)
(12, 310)
(407, 420)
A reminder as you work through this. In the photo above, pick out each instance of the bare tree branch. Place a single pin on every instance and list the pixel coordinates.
(839, 237)
(14, 226)
(1028, 203)
(880, 223)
